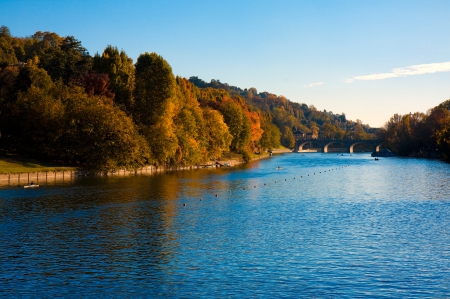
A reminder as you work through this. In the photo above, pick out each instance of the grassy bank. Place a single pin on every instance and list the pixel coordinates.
(18, 164)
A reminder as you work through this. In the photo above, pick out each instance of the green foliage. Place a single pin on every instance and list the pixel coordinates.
(62, 122)
(330, 131)
(10, 49)
(155, 86)
(238, 124)
(7, 53)
(106, 113)
(120, 69)
(271, 136)
(419, 134)
(62, 57)
(155, 106)
(443, 141)
(218, 136)
(190, 125)
(101, 136)
(288, 139)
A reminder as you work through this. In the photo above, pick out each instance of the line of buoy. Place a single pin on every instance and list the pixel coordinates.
(254, 186)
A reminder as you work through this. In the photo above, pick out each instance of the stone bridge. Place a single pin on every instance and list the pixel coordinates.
(349, 144)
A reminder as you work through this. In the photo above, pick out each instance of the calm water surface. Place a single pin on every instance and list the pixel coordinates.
(322, 226)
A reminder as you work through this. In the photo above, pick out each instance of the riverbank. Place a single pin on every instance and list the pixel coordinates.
(23, 171)
(18, 164)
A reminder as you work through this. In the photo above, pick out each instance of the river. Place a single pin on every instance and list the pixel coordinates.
(292, 226)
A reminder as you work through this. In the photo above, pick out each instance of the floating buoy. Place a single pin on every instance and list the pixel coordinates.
(184, 204)
(254, 186)
(244, 188)
(216, 195)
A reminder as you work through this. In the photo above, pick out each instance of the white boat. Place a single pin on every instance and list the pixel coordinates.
(31, 186)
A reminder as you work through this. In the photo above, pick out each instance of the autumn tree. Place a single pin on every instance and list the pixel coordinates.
(15, 100)
(96, 84)
(218, 136)
(62, 57)
(287, 138)
(238, 124)
(7, 53)
(99, 135)
(154, 105)
(189, 125)
(120, 70)
(271, 136)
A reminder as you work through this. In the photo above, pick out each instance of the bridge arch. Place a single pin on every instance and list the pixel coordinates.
(326, 144)
(376, 146)
(323, 145)
(302, 143)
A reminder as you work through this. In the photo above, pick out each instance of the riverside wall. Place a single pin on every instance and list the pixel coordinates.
(49, 177)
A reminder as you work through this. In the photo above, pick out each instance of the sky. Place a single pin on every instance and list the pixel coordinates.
(367, 59)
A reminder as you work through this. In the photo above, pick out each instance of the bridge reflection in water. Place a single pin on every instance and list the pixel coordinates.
(323, 144)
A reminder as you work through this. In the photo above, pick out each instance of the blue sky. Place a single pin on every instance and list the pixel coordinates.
(368, 59)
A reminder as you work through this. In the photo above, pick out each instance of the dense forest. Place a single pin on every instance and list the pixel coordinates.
(105, 112)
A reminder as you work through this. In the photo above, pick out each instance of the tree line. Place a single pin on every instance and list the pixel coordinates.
(106, 112)
(420, 134)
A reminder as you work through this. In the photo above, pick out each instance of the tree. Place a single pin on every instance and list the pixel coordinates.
(403, 133)
(218, 136)
(256, 130)
(328, 131)
(238, 124)
(189, 125)
(62, 57)
(288, 139)
(120, 69)
(443, 140)
(7, 53)
(154, 105)
(155, 86)
(96, 134)
(359, 132)
(21, 108)
(96, 84)
(271, 136)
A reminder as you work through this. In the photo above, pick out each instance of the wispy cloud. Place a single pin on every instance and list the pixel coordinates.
(407, 71)
(313, 84)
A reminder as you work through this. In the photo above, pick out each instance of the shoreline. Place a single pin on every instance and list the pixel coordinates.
(50, 177)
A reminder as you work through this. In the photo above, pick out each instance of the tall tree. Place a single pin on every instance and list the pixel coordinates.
(7, 53)
(120, 70)
(218, 136)
(190, 125)
(155, 87)
(238, 124)
(154, 105)
(288, 139)
(62, 57)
